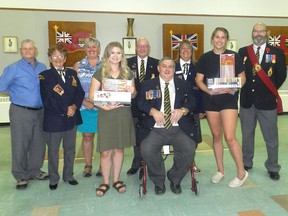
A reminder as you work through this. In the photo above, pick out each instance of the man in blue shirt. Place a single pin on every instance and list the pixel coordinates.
(20, 79)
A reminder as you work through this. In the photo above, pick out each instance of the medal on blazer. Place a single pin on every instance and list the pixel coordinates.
(257, 67)
(270, 72)
(153, 94)
(270, 58)
(74, 82)
(152, 76)
(58, 89)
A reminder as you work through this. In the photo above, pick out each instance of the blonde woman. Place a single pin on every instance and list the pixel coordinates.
(115, 123)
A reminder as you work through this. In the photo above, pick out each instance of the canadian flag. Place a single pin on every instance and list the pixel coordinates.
(284, 43)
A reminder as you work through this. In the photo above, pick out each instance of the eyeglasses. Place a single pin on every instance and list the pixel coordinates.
(259, 31)
(61, 56)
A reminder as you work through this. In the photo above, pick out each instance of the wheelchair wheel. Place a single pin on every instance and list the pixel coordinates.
(141, 193)
(196, 187)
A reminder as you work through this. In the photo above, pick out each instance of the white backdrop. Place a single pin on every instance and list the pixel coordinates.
(204, 7)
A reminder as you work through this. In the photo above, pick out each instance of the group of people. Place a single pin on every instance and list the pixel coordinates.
(167, 100)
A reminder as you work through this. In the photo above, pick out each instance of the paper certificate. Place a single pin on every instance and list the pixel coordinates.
(115, 85)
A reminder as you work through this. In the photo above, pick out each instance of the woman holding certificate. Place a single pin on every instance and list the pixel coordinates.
(115, 123)
(217, 72)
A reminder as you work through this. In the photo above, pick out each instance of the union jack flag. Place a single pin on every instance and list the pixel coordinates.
(177, 38)
(274, 40)
(63, 37)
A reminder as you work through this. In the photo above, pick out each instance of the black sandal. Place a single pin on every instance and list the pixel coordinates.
(118, 185)
(87, 173)
(102, 190)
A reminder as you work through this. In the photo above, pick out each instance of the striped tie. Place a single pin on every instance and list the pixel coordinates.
(167, 107)
(185, 70)
(142, 71)
(257, 55)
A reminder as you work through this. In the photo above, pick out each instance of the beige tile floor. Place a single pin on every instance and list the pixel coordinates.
(257, 197)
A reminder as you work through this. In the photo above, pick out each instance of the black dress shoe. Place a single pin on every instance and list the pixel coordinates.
(132, 171)
(53, 187)
(274, 175)
(247, 168)
(72, 182)
(159, 190)
(175, 188)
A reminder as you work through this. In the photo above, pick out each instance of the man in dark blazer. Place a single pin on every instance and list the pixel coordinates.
(153, 131)
(258, 103)
(150, 72)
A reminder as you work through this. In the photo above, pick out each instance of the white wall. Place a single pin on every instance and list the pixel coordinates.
(33, 24)
(204, 7)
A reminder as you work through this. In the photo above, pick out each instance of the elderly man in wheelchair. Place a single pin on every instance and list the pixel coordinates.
(167, 104)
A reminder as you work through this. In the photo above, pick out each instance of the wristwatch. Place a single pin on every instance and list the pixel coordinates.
(183, 110)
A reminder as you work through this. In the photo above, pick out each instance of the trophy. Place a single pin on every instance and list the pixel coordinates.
(130, 27)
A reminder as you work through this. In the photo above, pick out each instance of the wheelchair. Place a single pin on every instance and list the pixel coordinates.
(142, 174)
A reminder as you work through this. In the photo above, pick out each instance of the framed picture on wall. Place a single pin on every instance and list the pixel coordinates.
(232, 45)
(129, 45)
(10, 44)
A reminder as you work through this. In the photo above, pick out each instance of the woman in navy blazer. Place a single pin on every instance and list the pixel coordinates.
(62, 96)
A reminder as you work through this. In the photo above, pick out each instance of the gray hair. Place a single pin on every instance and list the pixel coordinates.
(92, 40)
(166, 58)
(29, 41)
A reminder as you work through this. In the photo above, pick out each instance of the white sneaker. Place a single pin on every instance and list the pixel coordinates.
(217, 177)
(237, 182)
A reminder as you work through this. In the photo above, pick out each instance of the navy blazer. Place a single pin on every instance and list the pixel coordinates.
(183, 98)
(255, 91)
(56, 104)
(198, 93)
(151, 73)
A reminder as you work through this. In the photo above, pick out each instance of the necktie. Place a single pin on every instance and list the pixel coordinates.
(167, 107)
(142, 71)
(185, 68)
(257, 55)
(62, 74)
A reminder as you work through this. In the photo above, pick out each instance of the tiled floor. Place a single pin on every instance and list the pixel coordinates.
(257, 197)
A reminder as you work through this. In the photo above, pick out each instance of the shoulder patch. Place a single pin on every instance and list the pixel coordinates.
(41, 77)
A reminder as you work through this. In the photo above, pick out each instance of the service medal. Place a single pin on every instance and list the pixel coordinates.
(74, 82)
(273, 59)
(257, 67)
(270, 72)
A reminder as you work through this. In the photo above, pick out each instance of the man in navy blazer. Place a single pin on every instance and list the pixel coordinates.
(151, 72)
(153, 133)
(257, 103)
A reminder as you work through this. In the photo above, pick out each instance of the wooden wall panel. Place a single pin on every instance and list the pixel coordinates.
(280, 42)
(72, 35)
(195, 33)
